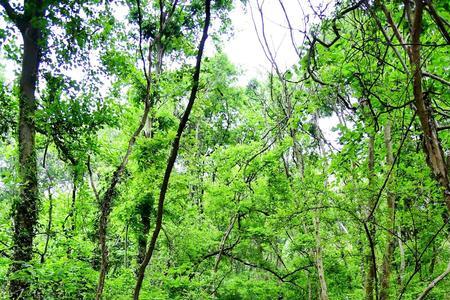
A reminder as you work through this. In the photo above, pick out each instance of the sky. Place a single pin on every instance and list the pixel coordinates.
(245, 49)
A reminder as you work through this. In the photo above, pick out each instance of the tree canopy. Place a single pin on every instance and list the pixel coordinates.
(135, 164)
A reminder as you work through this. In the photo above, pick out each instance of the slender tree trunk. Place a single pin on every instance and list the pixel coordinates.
(390, 243)
(319, 261)
(174, 153)
(223, 241)
(106, 202)
(146, 207)
(25, 212)
(125, 262)
(402, 258)
(145, 210)
(309, 288)
(50, 214)
(370, 277)
(316, 219)
(432, 146)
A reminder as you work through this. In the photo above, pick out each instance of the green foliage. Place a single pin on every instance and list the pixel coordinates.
(259, 193)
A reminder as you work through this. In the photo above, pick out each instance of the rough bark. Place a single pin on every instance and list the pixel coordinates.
(25, 209)
(174, 153)
(432, 145)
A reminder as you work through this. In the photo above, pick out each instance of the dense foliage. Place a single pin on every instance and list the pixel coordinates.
(132, 164)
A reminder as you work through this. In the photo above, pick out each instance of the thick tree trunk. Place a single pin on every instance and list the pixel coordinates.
(25, 209)
(432, 145)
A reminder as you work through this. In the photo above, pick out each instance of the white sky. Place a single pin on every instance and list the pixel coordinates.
(245, 50)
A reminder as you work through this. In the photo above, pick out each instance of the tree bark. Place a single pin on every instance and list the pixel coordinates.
(25, 212)
(370, 284)
(316, 219)
(402, 258)
(432, 145)
(106, 203)
(319, 260)
(390, 243)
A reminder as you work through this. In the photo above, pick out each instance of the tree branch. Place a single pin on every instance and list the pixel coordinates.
(280, 277)
(434, 283)
(438, 20)
(435, 77)
(10, 12)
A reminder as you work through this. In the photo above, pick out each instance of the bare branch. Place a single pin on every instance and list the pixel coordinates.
(280, 277)
(434, 283)
(389, 42)
(435, 77)
(438, 20)
(394, 27)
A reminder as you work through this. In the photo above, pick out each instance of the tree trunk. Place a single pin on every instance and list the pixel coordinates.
(145, 209)
(402, 258)
(390, 243)
(319, 261)
(371, 271)
(432, 145)
(106, 202)
(174, 153)
(25, 209)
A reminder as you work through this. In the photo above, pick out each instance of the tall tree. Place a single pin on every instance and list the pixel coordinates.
(174, 152)
(28, 19)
